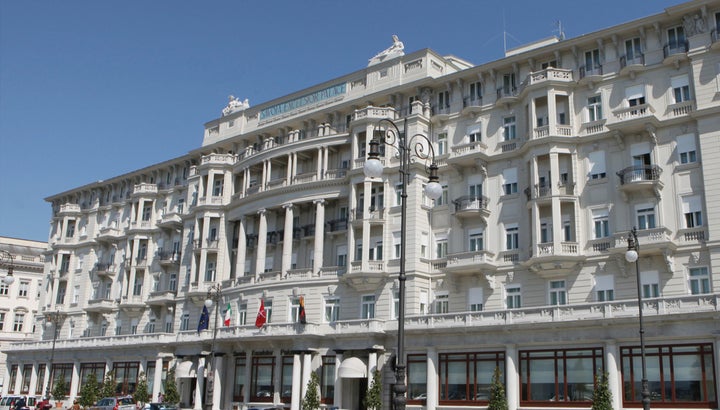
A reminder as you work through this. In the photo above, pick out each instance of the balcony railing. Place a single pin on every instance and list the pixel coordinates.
(470, 203)
(591, 71)
(639, 174)
(680, 47)
(638, 59)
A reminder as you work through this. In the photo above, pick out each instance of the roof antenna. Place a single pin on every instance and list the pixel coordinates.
(559, 30)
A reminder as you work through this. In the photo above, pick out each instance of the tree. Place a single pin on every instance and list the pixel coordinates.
(498, 400)
(171, 392)
(60, 390)
(602, 396)
(90, 391)
(141, 394)
(373, 400)
(312, 398)
(108, 386)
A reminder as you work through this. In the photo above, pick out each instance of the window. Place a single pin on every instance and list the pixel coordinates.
(268, 310)
(218, 185)
(513, 297)
(417, 378)
(512, 237)
(342, 255)
(633, 50)
(699, 281)
(601, 224)
(604, 289)
(635, 95)
(645, 216)
(23, 288)
(395, 304)
(286, 370)
(137, 288)
(376, 252)
(476, 91)
(185, 322)
(239, 381)
(509, 129)
(423, 302)
(567, 229)
(4, 289)
(474, 133)
(294, 310)
(475, 240)
(40, 378)
(650, 282)
(397, 244)
(242, 314)
(368, 307)
(442, 143)
(424, 241)
(146, 212)
(475, 187)
(686, 149)
(475, 299)
(13, 378)
(441, 248)
(509, 84)
(596, 164)
(594, 108)
(442, 302)
(592, 60)
(443, 199)
(210, 271)
(559, 375)
(681, 88)
(88, 370)
(676, 38)
(262, 378)
(332, 309)
(558, 294)
(398, 194)
(678, 375)
(545, 231)
(692, 210)
(18, 322)
(327, 380)
(2, 320)
(468, 375)
(510, 181)
(26, 373)
(443, 99)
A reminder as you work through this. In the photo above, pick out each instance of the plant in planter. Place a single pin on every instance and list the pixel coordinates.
(59, 391)
(498, 400)
(373, 400)
(311, 401)
(141, 394)
(108, 386)
(172, 395)
(602, 396)
(90, 391)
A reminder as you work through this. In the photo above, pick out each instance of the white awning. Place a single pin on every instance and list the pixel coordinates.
(186, 368)
(352, 368)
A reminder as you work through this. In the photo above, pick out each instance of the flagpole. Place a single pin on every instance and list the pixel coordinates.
(214, 295)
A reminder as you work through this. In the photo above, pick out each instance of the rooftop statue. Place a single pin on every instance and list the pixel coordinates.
(395, 50)
(234, 104)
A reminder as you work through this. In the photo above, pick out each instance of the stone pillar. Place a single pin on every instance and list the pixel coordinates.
(241, 249)
(204, 235)
(432, 379)
(296, 383)
(511, 377)
(306, 369)
(319, 235)
(558, 231)
(337, 397)
(611, 365)
(261, 243)
(157, 379)
(218, 369)
(74, 381)
(199, 384)
(287, 239)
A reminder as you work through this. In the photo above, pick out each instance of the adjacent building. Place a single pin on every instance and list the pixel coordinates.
(548, 158)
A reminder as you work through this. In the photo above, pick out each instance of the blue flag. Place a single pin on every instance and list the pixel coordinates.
(204, 320)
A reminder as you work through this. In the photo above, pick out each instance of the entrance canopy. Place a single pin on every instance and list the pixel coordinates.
(186, 368)
(352, 368)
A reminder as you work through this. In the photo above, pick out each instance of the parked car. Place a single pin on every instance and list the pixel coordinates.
(159, 406)
(8, 402)
(115, 403)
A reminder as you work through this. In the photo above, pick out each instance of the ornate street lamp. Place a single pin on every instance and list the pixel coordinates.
(53, 319)
(417, 146)
(6, 260)
(631, 255)
(214, 296)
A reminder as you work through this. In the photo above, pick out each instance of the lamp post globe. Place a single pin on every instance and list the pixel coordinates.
(373, 168)
(631, 256)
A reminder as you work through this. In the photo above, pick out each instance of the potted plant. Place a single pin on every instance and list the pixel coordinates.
(172, 395)
(90, 391)
(311, 401)
(141, 394)
(498, 400)
(59, 391)
(373, 400)
(602, 396)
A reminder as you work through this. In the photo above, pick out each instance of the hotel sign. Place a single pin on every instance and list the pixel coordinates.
(317, 96)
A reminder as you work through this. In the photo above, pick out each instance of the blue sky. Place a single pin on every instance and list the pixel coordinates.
(94, 89)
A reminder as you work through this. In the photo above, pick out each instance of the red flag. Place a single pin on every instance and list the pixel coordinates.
(301, 312)
(261, 318)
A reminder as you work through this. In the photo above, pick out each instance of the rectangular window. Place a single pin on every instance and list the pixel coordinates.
(26, 374)
(24, 288)
(509, 128)
(645, 217)
(239, 381)
(397, 244)
(443, 199)
(441, 248)
(474, 133)
(41, 378)
(442, 302)
(90, 370)
(509, 86)
(368, 307)
(699, 281)
(185, 322)
(286, 376)
(679, 376)
(558, 294)
(475, 299)
(601, 223)
(146, 212)
(476, 91)
(417, 378)
(126, 377)
(261, 378)
(681, 88)
(594, 108)
(633, 50)
(218, 185)
(18, 322)
(442, 143)
(692, 210)
(513, 298)
(4, 289)
(398, 194)
(468, 376)
(686, 149)
(512, 237)
(592, 60)
(553, 376)
(635, 95)
(327, 380)
(475, 240)
(443, 99)
(510, 185)
(13, 378)
(604, 288)
(332, 309)
(650, 282)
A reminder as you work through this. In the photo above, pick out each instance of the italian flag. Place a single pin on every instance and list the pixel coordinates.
(228, 315)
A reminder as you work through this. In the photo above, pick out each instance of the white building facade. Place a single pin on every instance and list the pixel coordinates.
(548, 158)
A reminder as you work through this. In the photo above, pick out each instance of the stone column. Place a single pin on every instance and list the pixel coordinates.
(261, 243)
(511, 377)
(296, 383)
(204, 235)
(319, 235)
(306, 369)
(157, 379)
(287, 239)
(337, 397)
(74, 381)
(241, 249)
(218, 369)
(432, 379)
(611, 365)
(199, 383)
